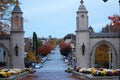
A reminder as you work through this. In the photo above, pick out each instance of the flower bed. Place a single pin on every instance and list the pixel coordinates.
(14, 74)
(97, 74)
(99, 71)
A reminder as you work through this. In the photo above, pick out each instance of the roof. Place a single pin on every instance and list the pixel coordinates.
(82, 8)
(17, 7)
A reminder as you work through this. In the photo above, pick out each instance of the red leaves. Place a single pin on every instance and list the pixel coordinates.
(115, 23)
(47, 47)
(65, 48)
(44, 50)
(115, 20)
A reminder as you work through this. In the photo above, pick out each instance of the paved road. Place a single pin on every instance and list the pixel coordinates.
(55, 62)
(54, 68)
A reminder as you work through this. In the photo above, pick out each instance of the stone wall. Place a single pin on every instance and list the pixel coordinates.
(82, 76)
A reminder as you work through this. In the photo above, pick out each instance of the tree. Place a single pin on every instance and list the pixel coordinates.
(30, 56)
(65, 48)
(115, 23)
(5, 2)
(35, 42)
(102, 56)
(44, 50)
(52, 42)
(5, 12)
(47, 47)
(69, 36)
(40, 43)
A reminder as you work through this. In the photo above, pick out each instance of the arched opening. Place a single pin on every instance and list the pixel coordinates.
(102, 56)
(3, 57)
(106, 53)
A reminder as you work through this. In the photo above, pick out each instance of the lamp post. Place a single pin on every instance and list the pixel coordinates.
(16, 50)
(83, 49)
(105, 0)
(110, 58)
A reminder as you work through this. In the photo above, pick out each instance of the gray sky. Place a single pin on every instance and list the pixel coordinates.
(58, 17)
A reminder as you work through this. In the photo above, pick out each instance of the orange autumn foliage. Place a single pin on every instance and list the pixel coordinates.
(102, 55)
(5, 2)
(65, 48)
(115, 23)
(45, 49)
(53, 42)
(30, 56)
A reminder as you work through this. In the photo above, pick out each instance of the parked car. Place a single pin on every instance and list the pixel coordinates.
(38, 66)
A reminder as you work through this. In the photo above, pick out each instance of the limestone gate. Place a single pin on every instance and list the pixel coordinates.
(87, 42)
(12, 45)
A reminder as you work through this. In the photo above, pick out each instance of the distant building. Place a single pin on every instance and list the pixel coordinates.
(28, 42)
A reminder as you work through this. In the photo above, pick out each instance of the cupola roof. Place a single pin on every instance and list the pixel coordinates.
(17, 7)
(82, 8)
(90, 27)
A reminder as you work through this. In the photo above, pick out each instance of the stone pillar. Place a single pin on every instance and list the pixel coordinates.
(17, 59)
(17, 38)
(82, 37)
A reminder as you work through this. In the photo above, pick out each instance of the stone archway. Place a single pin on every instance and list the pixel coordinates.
(113, 51)
(102, 56)
(6, 55)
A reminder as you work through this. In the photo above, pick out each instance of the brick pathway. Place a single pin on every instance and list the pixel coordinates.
(54, 76)
(50, 76)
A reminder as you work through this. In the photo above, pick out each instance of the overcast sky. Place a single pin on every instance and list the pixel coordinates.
(58, 17)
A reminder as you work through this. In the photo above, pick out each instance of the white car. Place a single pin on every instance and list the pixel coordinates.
(38, 66)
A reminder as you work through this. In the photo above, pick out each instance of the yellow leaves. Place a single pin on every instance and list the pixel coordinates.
(53, 43)
(101, 54)
(26, 48)
(5, 2)
(11, 1)
(30, 56)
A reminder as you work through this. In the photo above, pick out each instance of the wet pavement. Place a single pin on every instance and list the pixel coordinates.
(53, 69)
(53, 76)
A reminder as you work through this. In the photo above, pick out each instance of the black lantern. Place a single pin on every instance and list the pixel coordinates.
(119, 2)
(105, 0)
(83, 49)
(16, 50)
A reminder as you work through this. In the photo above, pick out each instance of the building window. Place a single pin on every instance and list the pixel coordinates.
(82, 16)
